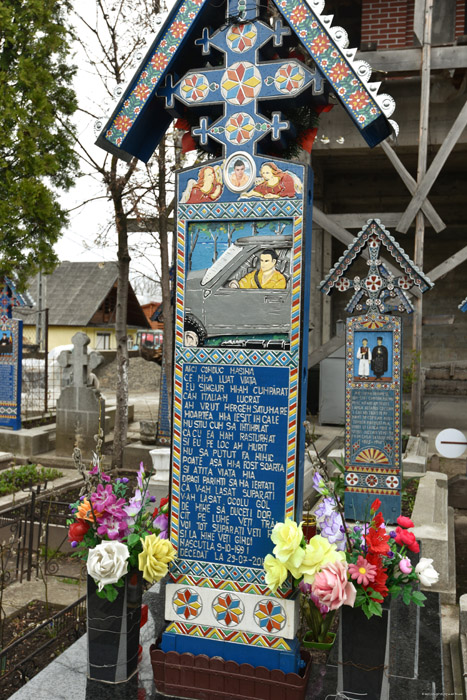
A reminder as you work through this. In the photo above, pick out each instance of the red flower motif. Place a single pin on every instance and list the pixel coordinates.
(178, 29)
(377, 521)
(358, 100)
(320, 44)
(122, 123)
(338, 72)
(298, 15)
(403, 521)
(159, 61)
(77, 530)
(379, 584)
(141, 91)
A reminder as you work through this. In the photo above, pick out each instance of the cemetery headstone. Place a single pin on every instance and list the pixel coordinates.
(241, 304)
(80, 408)
(11, 337)
(11, 354)
(373, 384)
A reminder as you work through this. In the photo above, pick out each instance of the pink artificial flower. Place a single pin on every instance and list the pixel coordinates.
(332, 588)
(405, 566)
(363, 571)
(403, 521)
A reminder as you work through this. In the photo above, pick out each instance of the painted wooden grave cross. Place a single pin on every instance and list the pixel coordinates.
(241, 304)
(11, 353)
(373, 410)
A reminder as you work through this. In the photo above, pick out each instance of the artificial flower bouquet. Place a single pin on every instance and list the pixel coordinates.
(114, 532)
(357, 565)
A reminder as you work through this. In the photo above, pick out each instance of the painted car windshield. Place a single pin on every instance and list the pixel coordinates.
(225, 258)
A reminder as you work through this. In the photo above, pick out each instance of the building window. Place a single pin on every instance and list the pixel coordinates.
(102, 341)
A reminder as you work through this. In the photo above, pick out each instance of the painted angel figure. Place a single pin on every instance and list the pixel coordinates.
(275, 183)
(208, 187)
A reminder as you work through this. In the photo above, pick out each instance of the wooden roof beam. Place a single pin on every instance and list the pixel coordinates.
(409, 60)
(411, 184)
(423, 188)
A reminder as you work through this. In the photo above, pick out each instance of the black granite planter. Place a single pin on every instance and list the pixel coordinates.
(362, 656)
(113, 631)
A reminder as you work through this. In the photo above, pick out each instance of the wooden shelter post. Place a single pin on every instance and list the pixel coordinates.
(420, 220)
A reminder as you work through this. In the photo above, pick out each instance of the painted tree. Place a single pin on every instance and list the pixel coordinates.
(36, 148)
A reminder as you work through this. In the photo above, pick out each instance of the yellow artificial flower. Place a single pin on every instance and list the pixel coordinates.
(318, 553)
(154, 558)
(276, 572)
(287, 538)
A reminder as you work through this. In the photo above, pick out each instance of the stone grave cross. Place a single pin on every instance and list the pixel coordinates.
(77, 364)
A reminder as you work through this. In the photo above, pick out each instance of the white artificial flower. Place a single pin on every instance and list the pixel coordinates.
(427, 574)
(107, 562)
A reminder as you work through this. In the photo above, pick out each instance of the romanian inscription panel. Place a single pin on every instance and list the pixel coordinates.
(233, 461)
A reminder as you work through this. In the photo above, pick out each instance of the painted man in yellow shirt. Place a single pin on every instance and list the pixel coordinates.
(267, 277)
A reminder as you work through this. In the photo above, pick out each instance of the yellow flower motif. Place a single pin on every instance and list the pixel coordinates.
(318, 553)
(153, 560)
(276, 572)
(287, 538)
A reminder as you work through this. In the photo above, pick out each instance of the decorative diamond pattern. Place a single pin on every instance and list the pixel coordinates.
(270, 616)
(228, 610)
(241, 83)
(242, 37)
(289, 78)
(186, 603)
(194, 88)
(240, 128)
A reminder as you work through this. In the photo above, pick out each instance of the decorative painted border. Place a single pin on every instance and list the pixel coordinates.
(235, 636)
(286, 208)
(230, 585)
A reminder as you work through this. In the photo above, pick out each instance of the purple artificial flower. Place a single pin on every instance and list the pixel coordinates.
(113, 528)
(331, 530)
(392, 534)
(103, 497)
(140, 476)
(390, 554)
(105, 477)
(74, 544)
(357, 529)
(116, 509)
(94, 470)
(134, 505)
(319, 485)
(124, 480)
(325, 509)
(305, 587)
(162, 522)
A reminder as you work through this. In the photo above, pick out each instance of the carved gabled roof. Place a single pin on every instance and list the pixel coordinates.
(379, 285)
(141, 118)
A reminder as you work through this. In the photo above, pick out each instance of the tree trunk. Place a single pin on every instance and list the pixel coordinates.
(167, 347)
(121, 415)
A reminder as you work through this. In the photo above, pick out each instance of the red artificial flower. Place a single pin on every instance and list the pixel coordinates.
(77, 530)
(376, 505)
(379, 584)
(377, 521)
(404, 522)
(404, 537)
(161, 508)
(377, 541)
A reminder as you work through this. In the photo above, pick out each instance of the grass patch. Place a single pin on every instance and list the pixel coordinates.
(13, 480)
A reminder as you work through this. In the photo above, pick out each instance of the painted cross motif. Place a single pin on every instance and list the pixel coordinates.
(10, 297)
(242, 83)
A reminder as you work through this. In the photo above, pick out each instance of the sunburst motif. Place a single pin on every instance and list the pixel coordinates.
(372, 456)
